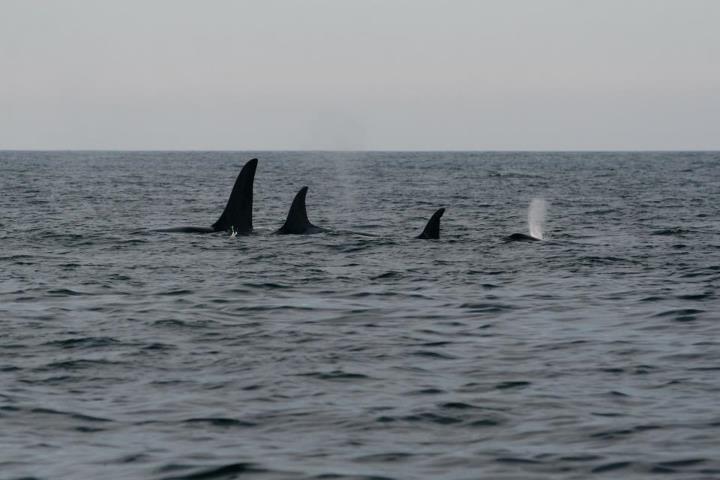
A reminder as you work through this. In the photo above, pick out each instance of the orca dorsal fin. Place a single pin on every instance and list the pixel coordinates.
(297, 220)
(432, 229)
(237, 215)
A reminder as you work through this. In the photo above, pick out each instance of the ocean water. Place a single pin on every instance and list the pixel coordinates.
(127, 353)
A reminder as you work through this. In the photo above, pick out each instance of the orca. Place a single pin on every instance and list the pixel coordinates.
(297, 222)
(237, 216)
(432, 229)
(521, 237)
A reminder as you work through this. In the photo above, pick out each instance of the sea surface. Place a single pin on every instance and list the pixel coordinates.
(127, 353)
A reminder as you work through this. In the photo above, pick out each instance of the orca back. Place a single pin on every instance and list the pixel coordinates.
(521, 237)
(432, 229)
(237, 215)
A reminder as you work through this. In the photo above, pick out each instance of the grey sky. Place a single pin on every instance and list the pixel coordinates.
(360, 74)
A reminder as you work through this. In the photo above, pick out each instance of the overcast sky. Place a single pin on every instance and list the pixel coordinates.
(360, 74)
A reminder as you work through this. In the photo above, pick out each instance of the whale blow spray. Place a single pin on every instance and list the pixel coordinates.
(536, 217)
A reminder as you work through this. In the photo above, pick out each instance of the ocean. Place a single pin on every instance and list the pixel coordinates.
(129, 353)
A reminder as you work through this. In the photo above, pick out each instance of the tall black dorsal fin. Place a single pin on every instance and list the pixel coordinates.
(432, 229)
(297, 220)
(237, 215)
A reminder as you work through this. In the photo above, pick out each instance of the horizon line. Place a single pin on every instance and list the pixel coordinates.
(322, 150)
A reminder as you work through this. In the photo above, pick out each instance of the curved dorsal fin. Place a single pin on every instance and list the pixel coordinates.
(297, 220)
(238, 211)
(432, 229)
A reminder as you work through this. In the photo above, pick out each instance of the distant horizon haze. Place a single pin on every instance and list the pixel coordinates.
(320, 150)
(391, 75)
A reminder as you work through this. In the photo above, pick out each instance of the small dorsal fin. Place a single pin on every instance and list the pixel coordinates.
(297, 220)
(432, 229)
(237, 215)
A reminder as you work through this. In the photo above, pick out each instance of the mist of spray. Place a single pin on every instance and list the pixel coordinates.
(536, 217)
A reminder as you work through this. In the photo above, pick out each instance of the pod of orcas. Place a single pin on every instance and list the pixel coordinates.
(237, 216)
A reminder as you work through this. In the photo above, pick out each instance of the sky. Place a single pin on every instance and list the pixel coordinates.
(360, 74)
